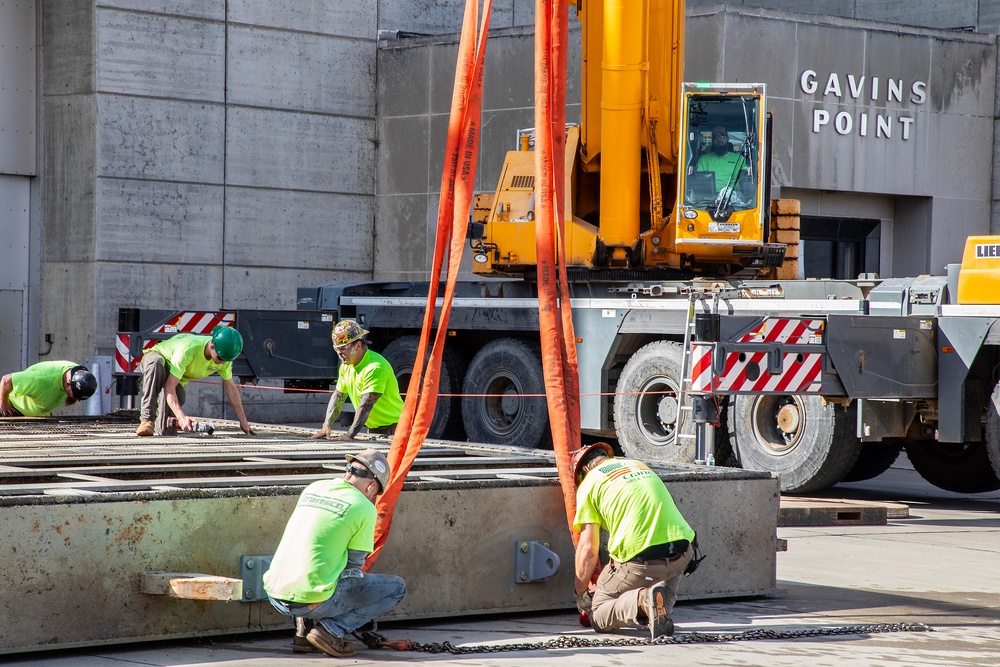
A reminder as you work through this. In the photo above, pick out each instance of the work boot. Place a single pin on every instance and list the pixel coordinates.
(338, 647)
(145, 429)
(660, 623)
(302, 627)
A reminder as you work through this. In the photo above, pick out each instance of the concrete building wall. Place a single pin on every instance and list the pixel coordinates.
(864, 108)
(202, 154)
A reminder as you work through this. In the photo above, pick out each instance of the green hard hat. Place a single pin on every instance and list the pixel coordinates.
(227, 341)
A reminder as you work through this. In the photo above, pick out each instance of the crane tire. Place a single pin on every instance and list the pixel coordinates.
(993, 430)
(808, 445)
(401, 354)
(954, 466)
(503, 399)
(646, 405)
(875, 459)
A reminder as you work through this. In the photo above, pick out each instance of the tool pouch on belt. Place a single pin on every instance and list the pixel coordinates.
(696, 560)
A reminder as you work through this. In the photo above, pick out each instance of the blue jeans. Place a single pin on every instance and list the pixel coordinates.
(354, 602)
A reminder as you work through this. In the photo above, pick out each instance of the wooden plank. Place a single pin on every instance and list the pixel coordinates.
(795, 511)
(192, 586)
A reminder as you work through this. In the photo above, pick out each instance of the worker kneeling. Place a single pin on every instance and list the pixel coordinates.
(315, 576)
(649, 542)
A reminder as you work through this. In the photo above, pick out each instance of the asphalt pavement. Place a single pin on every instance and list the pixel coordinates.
(939, 567)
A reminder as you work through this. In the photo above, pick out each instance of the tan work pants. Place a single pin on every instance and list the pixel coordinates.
(618, 591)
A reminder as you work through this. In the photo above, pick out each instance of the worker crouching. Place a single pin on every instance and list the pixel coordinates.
(650, 543)
(315, 575)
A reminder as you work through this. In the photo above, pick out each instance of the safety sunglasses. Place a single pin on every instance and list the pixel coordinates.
(360, 472)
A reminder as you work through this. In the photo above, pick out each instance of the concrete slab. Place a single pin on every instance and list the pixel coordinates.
(89, 510)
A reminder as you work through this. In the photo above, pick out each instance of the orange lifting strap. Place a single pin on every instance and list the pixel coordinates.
(458, 177)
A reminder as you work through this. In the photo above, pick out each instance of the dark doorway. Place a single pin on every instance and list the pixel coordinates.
(838, 248)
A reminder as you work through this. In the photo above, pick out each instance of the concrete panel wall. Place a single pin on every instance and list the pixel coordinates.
(177, 58)
(839, 126)
(233, 139)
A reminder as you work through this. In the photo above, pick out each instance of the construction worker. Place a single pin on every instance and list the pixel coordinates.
(368, 379)
(172, 363)
(41, 388)
(649, 542)
(722, 160)
(315, 575)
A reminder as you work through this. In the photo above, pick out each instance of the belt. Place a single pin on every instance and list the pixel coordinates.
(299, 605)
(667, 551)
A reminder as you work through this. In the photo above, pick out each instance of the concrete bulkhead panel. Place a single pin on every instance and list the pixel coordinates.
(310, 73)
(406, 227)
(297, 233)
(404, 80)
(178, 58)
(403, 150)
(439, 17)
(278, 149)
(204, 9)
(178, 222)
(160, 139)
(346, 19)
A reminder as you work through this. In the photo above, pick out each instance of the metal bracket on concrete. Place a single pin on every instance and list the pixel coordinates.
(534, 561)
(252, 569)
(191, 586)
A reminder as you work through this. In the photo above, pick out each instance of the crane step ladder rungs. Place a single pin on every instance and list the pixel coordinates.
(697, 429)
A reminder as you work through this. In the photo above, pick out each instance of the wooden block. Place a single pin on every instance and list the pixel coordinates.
(830, 512)
(788, 271)
(789, 237)
(191, 586)
(786, 207)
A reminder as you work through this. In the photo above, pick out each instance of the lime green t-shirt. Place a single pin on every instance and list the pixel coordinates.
(726, 167)
(38, 389)
(372, 375)
(630, 501)
(185, 354)
(331, 517)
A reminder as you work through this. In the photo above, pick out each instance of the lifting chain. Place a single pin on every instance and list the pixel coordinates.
(375, 640)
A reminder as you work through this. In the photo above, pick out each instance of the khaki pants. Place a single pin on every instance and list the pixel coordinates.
(155, 372)
(618, 591)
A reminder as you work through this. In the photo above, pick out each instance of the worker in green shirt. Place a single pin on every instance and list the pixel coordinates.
(172, 363)
(39, 389)
(368, 379)
(722, 161)
(649, 542)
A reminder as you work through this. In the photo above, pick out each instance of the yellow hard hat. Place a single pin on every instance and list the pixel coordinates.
(347, 332)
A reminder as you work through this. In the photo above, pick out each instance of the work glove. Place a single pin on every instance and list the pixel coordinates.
(584, 602)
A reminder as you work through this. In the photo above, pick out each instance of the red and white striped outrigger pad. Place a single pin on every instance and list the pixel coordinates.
(188, 321)
(746, 372)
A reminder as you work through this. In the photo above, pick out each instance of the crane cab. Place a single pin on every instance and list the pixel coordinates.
(723, 202)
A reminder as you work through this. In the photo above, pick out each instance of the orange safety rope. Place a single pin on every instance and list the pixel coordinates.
(559, 361)
(457, 181)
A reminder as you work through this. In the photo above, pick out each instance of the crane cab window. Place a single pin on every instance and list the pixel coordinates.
(722, 140)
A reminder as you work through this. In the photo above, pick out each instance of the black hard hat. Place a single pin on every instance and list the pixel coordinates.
(82, 382)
